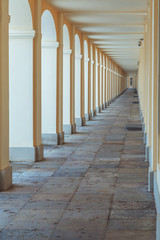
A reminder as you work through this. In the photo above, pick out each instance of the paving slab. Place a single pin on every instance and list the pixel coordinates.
(94, 187)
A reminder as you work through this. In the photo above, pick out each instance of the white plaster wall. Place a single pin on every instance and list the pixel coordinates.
(21, 92)
(100, 79)
(77, 77)
(101, 83)
(66, 40)
(86, 85)
(20, 13)
(92, 86)
(106, 84)
(66, 88)
(97, 85)
(49, 66)
(49, 73)
(117, 84)
(48, 27)
(104, 90)
(77, 87)
(96, 79)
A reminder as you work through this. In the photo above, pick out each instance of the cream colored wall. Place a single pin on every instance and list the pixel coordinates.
(147, 80)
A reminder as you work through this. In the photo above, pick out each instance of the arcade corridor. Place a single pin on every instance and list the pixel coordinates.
(94, 187)
(79, 120)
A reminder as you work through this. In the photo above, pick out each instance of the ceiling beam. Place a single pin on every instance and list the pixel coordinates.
(116, 44)
(114, 33)
(107, 25)
(128, 13)
(103, 41)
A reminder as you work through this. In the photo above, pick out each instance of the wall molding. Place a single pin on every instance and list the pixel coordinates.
(67, 51)
(22, 34)
(78, 56)
(49, 44)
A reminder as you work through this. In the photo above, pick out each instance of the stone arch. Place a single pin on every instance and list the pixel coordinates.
(86, 77)
(66, 81)
(21, 36)
(48, 27)
(97, 87)
(49, 77)
(92, 94)
(78, 58)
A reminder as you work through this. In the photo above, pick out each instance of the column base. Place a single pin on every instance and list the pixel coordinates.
(83, 121)
(26, 154)
(145, 137)
(93, 113)
(60, 138)
(73, 128)
(5, 178)
(142, 119)
(106, 104)
(103, 106)
(98, 110)
(150, 180)
(156, 193)
(50, 138)
(88, 116)
(39, 153)
(143, 128)
(78, 122)
(69, 128)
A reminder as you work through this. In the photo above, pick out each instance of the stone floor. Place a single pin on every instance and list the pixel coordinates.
(94, 187)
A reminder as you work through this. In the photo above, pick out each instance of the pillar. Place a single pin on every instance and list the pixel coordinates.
(5, 169)
(59, 97)
(108, 81)
(154, 155)
(98, 109)
(37, 141)
(82, 83)
(104, 82)
(89, 117)
(94, 81)
(71, 127)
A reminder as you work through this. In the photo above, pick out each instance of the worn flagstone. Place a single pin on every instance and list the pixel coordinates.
(94, 187)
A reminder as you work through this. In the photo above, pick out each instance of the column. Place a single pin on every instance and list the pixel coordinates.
(37, 141)
(94, 81)
(101, 82)
(72, 81)
(108, 81)
(82, 84)
(154, 140)
(89, 80)
(104, 82)
(59, 102)
(111, 81)
(98, 84)
(5, 169)
(149, 85)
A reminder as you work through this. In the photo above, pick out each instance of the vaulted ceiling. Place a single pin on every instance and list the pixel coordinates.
(115, 26)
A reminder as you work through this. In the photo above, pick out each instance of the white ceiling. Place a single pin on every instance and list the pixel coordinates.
(115, 26)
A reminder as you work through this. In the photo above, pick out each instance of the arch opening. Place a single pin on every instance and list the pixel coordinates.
(66, 81)
(86, 78)
(21, 36)
(97, 87)
(92, 93)
(78, 81)
(48, 78)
